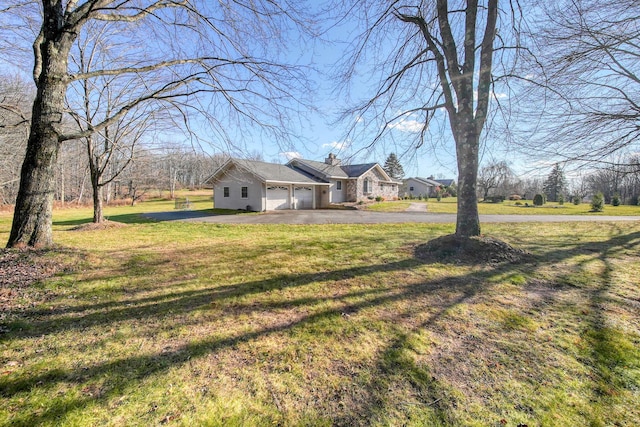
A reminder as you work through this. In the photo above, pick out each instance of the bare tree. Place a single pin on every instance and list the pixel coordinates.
(15, 98)
(434, 57)
(493, 176)
(216, 58)
(591, 52)
(111, 149)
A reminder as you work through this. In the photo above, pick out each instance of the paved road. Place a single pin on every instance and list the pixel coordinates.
(365, 217)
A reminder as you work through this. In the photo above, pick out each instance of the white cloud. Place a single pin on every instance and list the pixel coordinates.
(337, 145)
(407, 125)
(291, 155)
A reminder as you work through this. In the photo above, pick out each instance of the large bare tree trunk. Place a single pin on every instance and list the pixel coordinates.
(467, 220)
(34, 204)
(98, 215)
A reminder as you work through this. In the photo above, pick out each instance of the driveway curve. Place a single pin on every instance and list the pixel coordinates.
(330, 216)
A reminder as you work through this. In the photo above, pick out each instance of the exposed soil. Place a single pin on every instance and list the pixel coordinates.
(470, 250)
(20, 269)
(104, 225)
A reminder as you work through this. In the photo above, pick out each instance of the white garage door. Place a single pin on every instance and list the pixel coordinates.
(303, 197)
(277, 198)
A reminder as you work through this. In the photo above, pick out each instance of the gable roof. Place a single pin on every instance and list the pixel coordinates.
(426, 181)
(340, 171)
(358, 170)
(330, 171)
(266, 172)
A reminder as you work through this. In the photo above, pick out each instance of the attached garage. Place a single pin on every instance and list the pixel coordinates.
(277, 198)
(303, 198)
(260, 186)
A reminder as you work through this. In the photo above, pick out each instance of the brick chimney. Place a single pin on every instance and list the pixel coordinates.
(332, 160)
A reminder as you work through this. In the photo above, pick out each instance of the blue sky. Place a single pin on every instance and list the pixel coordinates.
(318, 135)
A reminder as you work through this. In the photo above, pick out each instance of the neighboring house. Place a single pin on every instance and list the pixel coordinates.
(300, 184)
(415, 187)
(418, 186)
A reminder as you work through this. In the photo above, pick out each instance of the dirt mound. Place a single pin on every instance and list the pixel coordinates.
(470, 250)
(104, 225)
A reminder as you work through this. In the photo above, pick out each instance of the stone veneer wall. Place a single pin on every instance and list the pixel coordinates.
(389, 191)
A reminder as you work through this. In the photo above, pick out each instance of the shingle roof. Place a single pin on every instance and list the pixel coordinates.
(427, 181)
(273, 171)
(357, 170)
(331, 171)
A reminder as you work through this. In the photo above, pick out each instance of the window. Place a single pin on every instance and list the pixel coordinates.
(381, 186)
(410, 188)
(339, 185)
(366, 188)
(226, 191)
(245, 192)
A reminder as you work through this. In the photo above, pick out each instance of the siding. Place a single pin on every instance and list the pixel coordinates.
(419, 188)
(235, 179)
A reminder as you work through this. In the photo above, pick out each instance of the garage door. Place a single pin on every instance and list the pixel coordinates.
(277, 198)
(303, 197)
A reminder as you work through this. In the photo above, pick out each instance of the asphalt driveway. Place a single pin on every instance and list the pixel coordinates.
(330, 216)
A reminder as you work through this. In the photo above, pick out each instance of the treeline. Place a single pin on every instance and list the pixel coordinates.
(620, 180)
(151, 169)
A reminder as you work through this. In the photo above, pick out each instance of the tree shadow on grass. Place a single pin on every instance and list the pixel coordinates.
(393, 363)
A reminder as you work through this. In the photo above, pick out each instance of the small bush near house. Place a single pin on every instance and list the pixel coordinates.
(515, 197)
(561, 200)
(538, 200)
(379, 199)
(615, 200)
(519, 204)
(597, 203)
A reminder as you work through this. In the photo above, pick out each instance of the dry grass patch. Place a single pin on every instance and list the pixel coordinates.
(201, 324)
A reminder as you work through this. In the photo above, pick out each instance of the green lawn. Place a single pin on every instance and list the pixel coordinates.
(205, 324)
(449, 205)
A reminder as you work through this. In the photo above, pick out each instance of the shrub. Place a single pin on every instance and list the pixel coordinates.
(379, 199)
(615, 200)
(597, 203)
(561, 200)
(519, 203)
(515, 197)
(538, 200)
(577, 200)
(439, 196)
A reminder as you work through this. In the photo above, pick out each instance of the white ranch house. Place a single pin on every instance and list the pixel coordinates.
(300, 184)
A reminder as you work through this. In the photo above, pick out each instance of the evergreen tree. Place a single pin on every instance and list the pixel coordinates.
(555, 184)
(393, 167)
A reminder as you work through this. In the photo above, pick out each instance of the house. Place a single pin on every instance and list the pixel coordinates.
(415, 187)
(300, 184)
